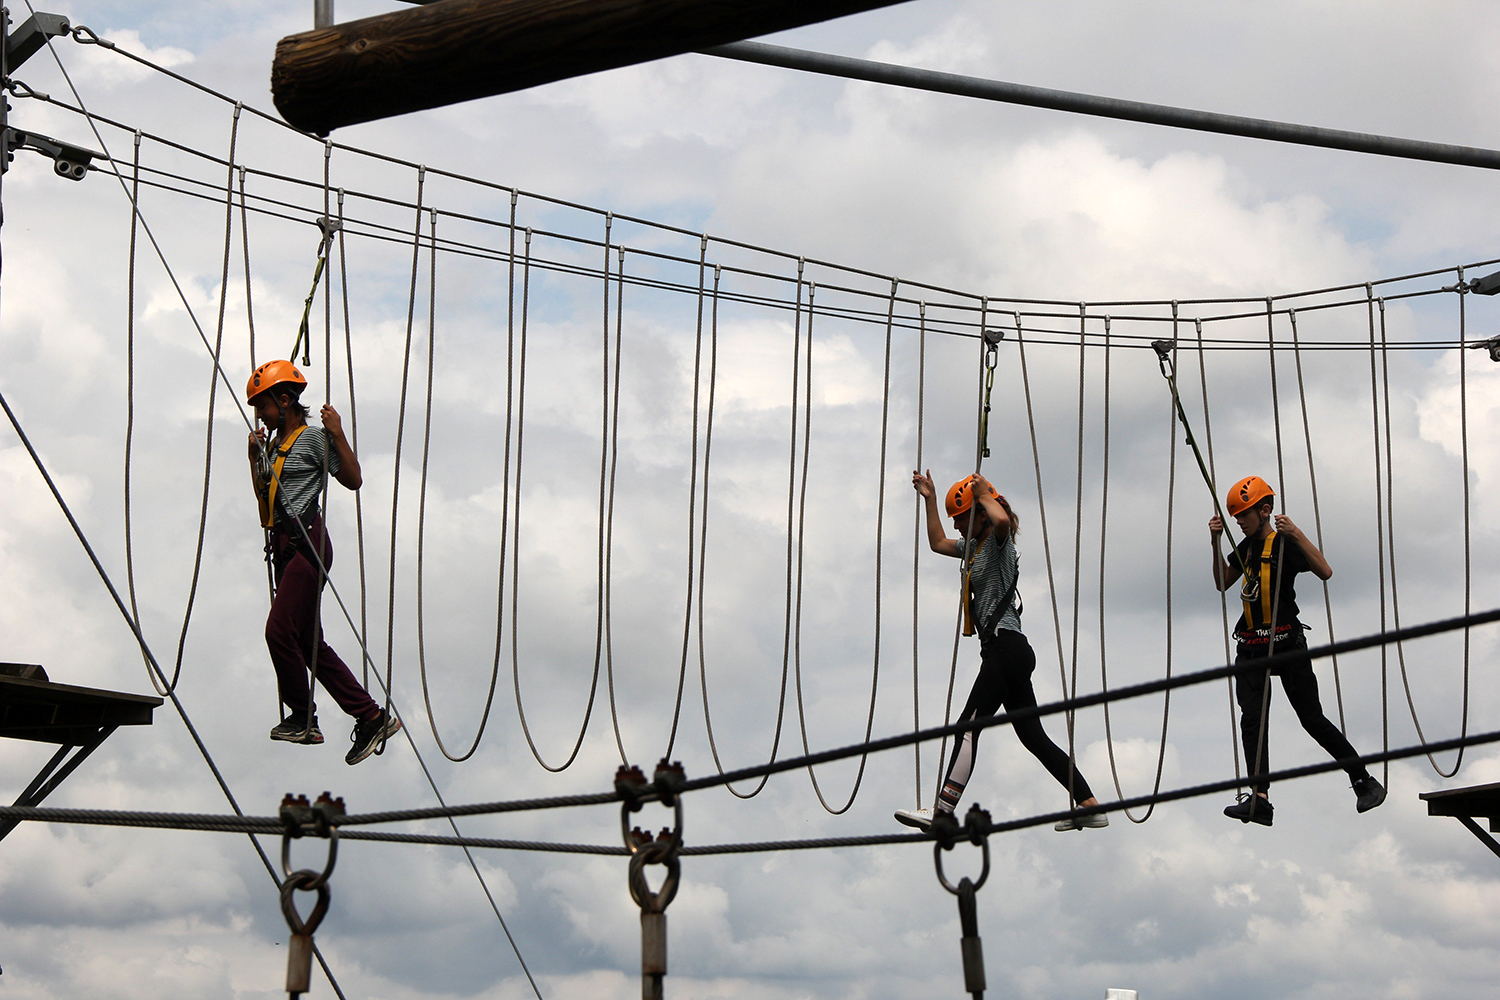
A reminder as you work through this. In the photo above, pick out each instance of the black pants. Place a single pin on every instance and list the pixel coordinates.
(1006, 665)
(1301, 687)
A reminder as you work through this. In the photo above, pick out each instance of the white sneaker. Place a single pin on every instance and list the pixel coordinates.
(919, 818)
(1094, 821)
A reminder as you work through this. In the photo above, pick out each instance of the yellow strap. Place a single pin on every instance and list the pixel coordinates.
(1265, 595)
(268, 498)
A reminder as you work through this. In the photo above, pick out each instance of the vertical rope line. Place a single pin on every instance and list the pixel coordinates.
(1213, 472)
(359, 507)
(1071, 691)
(1312, 476)
(708, 442)
(1390, 528)
(791, 487)
(1041, 503)
(916, 548)
(1281, 484)
(609, 517)
(692, 534)
(1463, 430)
(599, 613)
(135, 186)
(213, 397)
(324, 247)
(245, 254)
(411, 307)
(515, 582)
(1385, 726)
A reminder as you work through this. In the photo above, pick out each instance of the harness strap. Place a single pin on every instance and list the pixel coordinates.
(268, 494)
(1257, 587)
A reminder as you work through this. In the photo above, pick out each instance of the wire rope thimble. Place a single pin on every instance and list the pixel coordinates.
(665, 787)
(300, 818)
(975, 829)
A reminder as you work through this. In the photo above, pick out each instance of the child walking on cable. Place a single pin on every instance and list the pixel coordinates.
(989, 566)
(1273, 553)
(289, 475)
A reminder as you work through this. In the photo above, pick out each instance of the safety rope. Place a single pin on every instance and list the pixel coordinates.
(489, 699)
(916, 551)
(612, 409)
(1390, 527)
(1385, 715)
(245, 255)
(359, 507)
(1071, 689)
(1109, 743)
(812, 291)
(708, 442)
(515, 563)
(135, 214)
(1312, 476)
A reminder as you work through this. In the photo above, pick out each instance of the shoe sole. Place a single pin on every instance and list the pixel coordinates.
(1259, 819)
(913, 822)
(313, 740)
(392, 727)
(1366, 808)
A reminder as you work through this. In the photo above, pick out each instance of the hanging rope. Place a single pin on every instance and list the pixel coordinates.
(1312, 475)
(612, 407)
(359, 508)
(879, 529)
(1385, 716)
(1109, 743)
(708, 441)
(916, 551)
(1071, 690)
(1390, 527)
(515, 578)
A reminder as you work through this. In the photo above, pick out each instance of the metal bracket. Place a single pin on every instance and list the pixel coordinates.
(1487, 285)
(53, 774)
(1492, 345)
(68, 160)
(27, 40)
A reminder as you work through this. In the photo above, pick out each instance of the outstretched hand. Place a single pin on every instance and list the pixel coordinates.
(922, 483)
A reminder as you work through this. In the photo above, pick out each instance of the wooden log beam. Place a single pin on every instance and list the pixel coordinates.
(459, 50)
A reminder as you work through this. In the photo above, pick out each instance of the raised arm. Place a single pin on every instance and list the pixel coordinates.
(999, 519)
(1224, 572)
(937, 538)
(348, 475)
(1315, 560)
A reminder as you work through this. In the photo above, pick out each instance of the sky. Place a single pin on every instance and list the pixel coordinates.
(981, 198)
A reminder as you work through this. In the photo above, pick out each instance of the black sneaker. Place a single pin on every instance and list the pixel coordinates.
(1371, 793)
(294, 729)
(370, 735)
(1251, 809)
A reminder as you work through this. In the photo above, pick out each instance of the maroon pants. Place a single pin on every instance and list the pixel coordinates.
(293, 629)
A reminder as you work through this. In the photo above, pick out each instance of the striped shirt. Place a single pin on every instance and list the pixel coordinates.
(996, 566)
(302, 476)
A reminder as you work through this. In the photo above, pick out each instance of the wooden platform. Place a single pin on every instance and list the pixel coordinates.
(1474, 802)
(34, 708)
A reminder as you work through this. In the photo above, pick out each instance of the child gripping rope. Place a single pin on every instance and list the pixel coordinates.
(990, 570)
(289, 473)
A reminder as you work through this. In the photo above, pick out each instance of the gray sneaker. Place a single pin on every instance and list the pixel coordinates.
(294, 729)
(370, 735)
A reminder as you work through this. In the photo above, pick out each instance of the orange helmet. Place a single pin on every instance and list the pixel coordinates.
(1247, 493)
(960, 496)
(273, 373)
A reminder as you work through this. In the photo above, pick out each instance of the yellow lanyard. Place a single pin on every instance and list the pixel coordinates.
(268, 498)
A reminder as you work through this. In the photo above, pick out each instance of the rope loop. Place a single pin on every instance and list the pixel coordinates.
(84, 35)
(975, 829)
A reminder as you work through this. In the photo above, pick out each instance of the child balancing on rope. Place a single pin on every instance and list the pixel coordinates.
(1274, 551)
(989, 566)
(289, 473)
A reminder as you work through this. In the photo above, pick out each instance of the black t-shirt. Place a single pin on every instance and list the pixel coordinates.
(1267, 587)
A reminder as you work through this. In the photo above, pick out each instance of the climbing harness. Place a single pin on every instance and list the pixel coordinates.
(298, 817)
(645, 850)
(270, 477)
(948, 832)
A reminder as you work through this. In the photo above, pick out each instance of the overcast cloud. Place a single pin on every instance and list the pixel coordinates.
(984, 198)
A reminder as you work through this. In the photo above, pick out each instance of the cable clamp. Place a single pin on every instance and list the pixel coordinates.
(630, 784)
(21, 89)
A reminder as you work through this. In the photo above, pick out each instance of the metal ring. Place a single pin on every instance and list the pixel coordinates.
(333, 854)
(308, 881)
(984, 873)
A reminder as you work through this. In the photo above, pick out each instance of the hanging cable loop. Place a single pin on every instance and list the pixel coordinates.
(976, 826)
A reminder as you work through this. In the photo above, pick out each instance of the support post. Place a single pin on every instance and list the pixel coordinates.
(322, 14)
(458, 50)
